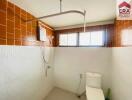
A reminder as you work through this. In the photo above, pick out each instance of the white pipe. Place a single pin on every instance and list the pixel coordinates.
(60, 6)
(84, 20)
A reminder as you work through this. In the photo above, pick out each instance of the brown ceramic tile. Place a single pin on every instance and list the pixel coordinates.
(34, 31)
(10, 26)
(29, 17)
(10, 5)
(10, 11)
(24, 37)
(17, 29)
(23, 17)
(2, 42)
(18, 42)
(3, 32)
(17, 34)
(23, 32)
(17, 10)
(27, 43)
(23, 27)
(10, 41)
(23, 22)
(2, 18)
(29, 38)
(29, 27)
(29, 24)
(10, 14)
(10, 36)
(3, 5)
(34, 35)
(119, 26)
(23, 12)
(17, 17)
(34, 24)
(29, 34)
(17, 23)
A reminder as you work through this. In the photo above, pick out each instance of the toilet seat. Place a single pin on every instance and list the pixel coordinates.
(94, 93)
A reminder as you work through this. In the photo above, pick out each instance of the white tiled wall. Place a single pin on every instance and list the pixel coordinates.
(22, 74)
(69, 63)
(122, 74)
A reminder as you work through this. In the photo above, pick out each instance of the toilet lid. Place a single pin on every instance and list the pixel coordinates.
(94, 93)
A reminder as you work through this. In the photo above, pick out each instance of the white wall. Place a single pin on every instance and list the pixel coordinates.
(69, 63)
(21, 74)
(122, 74)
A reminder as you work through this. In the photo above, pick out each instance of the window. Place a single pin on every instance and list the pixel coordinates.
(42, 34)
(95, 38)
(84, 39)
(126, 38)
(68, 39)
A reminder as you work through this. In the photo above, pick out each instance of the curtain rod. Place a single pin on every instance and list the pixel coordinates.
(57, 14)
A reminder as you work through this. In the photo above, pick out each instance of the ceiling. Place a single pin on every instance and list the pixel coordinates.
(97, 10)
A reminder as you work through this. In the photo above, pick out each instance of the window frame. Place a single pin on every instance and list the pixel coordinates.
(104, 39)
(68, 45)
(78, 39)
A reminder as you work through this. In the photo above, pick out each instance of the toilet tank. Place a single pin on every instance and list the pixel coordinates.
(93, 80)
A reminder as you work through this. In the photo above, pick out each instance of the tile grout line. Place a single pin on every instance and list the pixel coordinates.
(14, 25)
(2, 25)
(20, 29)
(10, 20)
(26, 24)
(31, 28)
(6, 20)
(27, 34)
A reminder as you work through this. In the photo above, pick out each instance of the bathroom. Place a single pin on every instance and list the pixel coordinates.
(54, 50)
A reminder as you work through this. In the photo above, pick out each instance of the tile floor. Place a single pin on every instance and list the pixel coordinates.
(59, 94)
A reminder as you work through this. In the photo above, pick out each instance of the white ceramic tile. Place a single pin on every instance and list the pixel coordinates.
(59, 94)
(21, 74)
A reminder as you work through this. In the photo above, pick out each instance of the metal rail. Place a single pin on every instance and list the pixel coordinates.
(62, 13)
(58, 14)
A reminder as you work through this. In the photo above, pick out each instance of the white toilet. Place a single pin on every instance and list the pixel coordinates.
(93, 87)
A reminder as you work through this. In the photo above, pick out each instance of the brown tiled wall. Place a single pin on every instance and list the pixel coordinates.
(113, 30)
(13, 28)
(119, 26)
(108, 28)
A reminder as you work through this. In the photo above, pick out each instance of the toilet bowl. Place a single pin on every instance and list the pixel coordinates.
(94, 93)
(93, 87)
